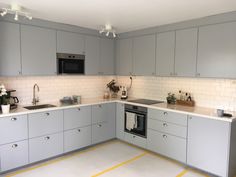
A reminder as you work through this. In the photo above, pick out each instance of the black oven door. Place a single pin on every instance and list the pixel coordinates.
(70, 66)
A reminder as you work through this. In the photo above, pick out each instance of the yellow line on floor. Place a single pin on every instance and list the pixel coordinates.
(182, 173)
(120, 164)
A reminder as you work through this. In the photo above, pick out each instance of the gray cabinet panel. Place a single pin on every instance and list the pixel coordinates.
(144, 55)
(216, 51)
(38, 50)
(165, 53)
(68, 42)
(107, 65)
(92, 58)
(136, 140)
(101, 132)
(186, 52)
(103, 112)
(208, 145)
(10, 61)
(120, 120)
(124, 57)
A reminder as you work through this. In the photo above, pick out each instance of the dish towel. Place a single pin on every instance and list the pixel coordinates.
(130, 120)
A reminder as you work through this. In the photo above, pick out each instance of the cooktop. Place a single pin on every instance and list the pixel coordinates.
(146, 101)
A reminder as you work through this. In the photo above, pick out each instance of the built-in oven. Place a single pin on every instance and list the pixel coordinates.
(70, 63)
(136, 120)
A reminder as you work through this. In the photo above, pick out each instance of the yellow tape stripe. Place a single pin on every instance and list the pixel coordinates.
(120, 164)
(182, 173)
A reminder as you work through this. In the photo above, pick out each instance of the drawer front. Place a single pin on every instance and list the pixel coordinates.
(77, 117)
(171, 117)
(77, 138)
(14, 155)
(167, 145)
(102, 132)
(166, 127)
(45, 147)
(44, 123)
(136, 140)
(103, 112)
(13, 129)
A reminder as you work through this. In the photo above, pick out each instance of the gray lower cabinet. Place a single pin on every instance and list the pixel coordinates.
(77, 138)
(45, 147)
(44, 123)
(13, 155)
(144, 55)
(103, 112)
(10, 61)
(120, 120)
(208, 145)
(135, 140)
(101, 132)
(38, 50)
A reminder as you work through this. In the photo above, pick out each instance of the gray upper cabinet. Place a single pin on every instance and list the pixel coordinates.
(38, 50)
(92, 58)
(68, 42)
(165, 53)
(144, 55)
(186, 52)
(217, 51)
(107, 65)
(10, 62)
(124, 57)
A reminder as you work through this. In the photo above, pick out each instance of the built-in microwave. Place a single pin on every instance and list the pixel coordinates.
(70, 63)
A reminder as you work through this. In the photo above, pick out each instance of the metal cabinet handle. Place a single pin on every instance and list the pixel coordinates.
(14, 146)
(78, 109)
(47, 113)
(164, 136)
(47, 138)
(99, 106)
(165, 113)
(165, 124)
(133, 136)
(13, 119)
(99, 125)
(79, 130)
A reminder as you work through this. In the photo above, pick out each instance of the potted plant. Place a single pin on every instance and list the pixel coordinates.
(4, 101)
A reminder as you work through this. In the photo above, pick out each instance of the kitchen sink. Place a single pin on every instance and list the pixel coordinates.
(39, 106)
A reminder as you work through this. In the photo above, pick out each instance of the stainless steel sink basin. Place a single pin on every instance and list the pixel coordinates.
(39, 106)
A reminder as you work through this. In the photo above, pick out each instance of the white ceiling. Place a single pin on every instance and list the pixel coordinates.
(125, 15)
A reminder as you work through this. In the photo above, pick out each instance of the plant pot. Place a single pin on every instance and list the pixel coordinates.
(5, 108)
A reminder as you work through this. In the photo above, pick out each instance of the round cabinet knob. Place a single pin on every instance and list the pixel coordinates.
(99, 106)
(164, 136)
(47, 114)
(165, 113)
(13, 119)
(78, 109)
(99, 125)
(133, 136)
(47, 138)
(79, 130)
(14, 146)
(165, 124)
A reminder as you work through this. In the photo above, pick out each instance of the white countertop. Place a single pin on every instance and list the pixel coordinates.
(194, 111)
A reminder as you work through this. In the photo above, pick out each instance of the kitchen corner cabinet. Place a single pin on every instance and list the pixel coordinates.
(216, 51)
(144, 55)
(10, 61)
(124, 57)
(38, 50)
(120, 120)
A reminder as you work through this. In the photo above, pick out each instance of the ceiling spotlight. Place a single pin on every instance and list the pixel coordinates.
(16, 16)
(4, 12)
(107, 29)
(114, 34)
(101, 31)
(107, 34)
(28, 16)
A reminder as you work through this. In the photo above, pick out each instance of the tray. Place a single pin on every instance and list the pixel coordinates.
(185, 103)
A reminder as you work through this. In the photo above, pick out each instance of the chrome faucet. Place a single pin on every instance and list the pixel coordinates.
(35, 100)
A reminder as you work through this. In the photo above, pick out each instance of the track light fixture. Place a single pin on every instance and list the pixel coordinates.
(108, 29)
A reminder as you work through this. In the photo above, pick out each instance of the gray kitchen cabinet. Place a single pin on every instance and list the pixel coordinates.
(120, 120)
(10, 61)
(102, 132)
(165, 53)
(92, 58)
(144, 55)
(45, 147)
(216, 51)
(77, 117)
(13, 155)
(107, 57)
(13, 128)
(186, 52)
(103, 112)
(77, 138)
(44, 123)
(72, 43)
(124, 57)
(136, 140)
(38, 50)
(208, 145)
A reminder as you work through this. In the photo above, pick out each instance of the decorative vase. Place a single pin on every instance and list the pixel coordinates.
(5, 108)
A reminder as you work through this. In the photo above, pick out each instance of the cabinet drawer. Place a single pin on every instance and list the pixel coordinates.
(102, 132)
(13, 129)
(167, 145)
(172, 117)
(45, 147)
(77, 138)
(77, 117)
(165, 127)
(136, 140)
(103, 112)
(14, 155)
(44, 123)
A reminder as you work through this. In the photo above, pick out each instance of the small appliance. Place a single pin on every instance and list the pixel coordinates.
(124, 92)
(12, 99)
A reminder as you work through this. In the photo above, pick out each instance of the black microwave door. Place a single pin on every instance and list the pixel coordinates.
(68, 66)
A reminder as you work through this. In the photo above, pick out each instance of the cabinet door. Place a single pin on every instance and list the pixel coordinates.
(10, 61)
(102, 132)
(92, 59)
(144, 55)
(38, 51)
(13, 129)
(165, 53)
(68, 42)
(124, 57)
(216, 51)
(186, 52)
(120, 120)
(107, 65)
(103, 112)
(77, 138)
(208, 145)
(136, 140)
